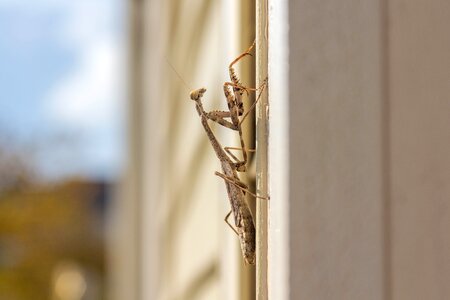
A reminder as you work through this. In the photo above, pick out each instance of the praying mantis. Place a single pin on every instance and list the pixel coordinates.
(244, 225)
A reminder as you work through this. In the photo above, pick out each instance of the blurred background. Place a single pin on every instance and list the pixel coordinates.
(106, 175)
(62, 132)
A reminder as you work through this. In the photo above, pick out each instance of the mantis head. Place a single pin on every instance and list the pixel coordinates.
(197, 94)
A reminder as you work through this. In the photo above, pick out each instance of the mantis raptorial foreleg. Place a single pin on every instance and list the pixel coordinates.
(236, 109)
(235, 124)
(233, 76)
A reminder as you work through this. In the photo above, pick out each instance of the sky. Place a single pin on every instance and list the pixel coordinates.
(62, 83)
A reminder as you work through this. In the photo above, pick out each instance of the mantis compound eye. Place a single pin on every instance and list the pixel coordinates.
(241, 168)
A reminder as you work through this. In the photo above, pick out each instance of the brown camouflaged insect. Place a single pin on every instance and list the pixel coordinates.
(243, 220)
(244, 225)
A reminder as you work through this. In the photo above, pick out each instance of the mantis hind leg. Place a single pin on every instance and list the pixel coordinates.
(239, 184)
(226, 221)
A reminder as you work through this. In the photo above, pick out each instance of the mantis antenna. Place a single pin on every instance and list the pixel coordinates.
(178, 74)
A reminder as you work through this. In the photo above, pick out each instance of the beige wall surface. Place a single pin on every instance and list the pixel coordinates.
(419, 130)
(370, 149)
(336, 194)
(181, 204)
